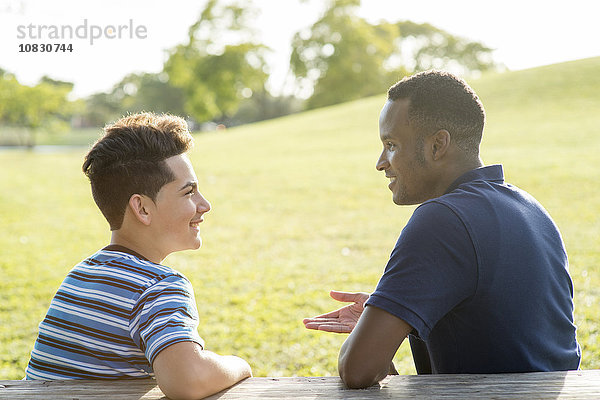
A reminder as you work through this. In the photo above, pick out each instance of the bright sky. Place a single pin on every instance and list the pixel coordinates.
(525, 33)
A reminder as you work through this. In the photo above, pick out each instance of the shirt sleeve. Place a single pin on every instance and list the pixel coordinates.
(165, 314)
(432, 269)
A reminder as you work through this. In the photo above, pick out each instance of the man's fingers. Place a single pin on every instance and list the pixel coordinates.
(336, 328)
(332, 314)
(328, 327)
(348, 297)
(312, 325)
(321, 321)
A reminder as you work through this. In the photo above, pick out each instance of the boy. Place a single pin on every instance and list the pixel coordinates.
(119, 313)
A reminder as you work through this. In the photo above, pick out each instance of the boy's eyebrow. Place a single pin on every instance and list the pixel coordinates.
(190, 184)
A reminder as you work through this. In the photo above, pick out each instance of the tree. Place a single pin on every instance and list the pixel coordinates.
(262, 105)
(100, 108)
(423, 47)
(32, 107)
(344, 57)
(134, 93)
(10, 92)
(149, 92)
(220, 65)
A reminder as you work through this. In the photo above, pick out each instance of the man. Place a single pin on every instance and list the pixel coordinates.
(479, 275)
(120, 313)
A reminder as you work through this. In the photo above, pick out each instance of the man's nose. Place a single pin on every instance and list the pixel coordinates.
(382, 163)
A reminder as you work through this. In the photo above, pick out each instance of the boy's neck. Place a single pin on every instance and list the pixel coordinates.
(137, 244)
(123, 249)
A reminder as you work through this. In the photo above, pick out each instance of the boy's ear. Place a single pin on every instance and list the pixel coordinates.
(139, 207)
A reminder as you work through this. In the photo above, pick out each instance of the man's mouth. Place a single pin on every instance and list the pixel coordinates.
(392, 180)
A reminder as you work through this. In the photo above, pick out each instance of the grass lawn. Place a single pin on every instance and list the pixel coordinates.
(299, 209)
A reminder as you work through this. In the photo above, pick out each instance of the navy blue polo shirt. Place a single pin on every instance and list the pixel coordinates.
(481, 274)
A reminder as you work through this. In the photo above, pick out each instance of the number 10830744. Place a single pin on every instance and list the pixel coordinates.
(45, 48)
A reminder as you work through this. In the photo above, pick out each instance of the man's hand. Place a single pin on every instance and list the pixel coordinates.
(342, 320)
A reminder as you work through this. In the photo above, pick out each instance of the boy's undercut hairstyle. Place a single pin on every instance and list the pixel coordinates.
(130, 159)
(439, 100)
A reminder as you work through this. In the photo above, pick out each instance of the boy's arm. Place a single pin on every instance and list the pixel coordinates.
(185, 371)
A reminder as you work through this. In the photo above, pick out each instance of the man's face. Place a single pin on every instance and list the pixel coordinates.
(403, 159)
(179, 209)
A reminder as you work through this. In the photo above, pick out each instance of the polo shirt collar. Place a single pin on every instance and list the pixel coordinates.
(488, 173)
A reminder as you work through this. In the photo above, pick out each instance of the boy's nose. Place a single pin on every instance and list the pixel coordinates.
(203, 205)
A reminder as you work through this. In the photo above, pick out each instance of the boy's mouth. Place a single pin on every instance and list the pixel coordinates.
(196, 223)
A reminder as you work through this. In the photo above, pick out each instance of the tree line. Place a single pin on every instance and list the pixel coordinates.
(219, 74)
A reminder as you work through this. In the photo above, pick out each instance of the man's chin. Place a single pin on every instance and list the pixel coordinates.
(404, 201)
(398, 199)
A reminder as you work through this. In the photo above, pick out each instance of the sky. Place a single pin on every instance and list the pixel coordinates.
(523, 33)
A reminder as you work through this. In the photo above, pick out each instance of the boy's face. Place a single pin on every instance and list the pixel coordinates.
(179, 209)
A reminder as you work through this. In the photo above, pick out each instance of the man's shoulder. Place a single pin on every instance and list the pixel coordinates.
(482, 185)
(434, 219)
(484, 199)
(471, 203)
(481, 197)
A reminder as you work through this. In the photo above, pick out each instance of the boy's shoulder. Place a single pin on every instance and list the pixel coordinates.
(123, 270)
(124, 258)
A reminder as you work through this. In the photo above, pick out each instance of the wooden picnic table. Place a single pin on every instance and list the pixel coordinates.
(536, 385)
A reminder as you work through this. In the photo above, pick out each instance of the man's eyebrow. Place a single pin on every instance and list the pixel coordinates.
(190, 184)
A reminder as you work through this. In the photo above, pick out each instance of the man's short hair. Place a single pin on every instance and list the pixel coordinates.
(130, 159)
(440, 100)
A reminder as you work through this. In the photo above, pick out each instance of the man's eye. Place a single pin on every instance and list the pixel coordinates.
(390, 145)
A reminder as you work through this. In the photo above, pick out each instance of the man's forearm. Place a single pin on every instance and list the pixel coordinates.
(366, 355)
(357, 374)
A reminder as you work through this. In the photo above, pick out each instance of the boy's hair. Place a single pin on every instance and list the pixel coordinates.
(130, 159)
(440, 100)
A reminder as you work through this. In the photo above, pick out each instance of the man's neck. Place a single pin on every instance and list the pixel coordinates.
(466, 166)
(456, 170)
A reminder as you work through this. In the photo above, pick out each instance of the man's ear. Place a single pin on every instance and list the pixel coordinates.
(440, 144)
(139, 206)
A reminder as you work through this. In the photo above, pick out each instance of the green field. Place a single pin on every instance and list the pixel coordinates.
(299, 209)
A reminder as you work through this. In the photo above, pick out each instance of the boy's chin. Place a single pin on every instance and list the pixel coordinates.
(197, 244)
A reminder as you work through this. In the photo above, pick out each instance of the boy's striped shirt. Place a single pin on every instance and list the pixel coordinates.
(111, 316)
